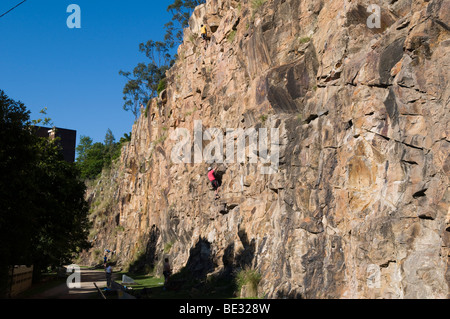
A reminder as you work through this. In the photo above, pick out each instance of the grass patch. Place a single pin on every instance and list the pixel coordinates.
(161, 86)
(256, 4)
(144, 281)
(161, 139)
(168, 247)
(250, 278)
(151, 287)
(181, 285)
(304, 40)
(231, 36)
(193, 37)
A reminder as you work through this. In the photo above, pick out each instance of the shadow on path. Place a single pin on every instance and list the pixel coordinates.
(87, 290)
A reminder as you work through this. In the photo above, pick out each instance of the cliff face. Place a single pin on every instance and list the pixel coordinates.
(358, 206)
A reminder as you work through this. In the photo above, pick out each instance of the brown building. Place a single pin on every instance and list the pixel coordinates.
(67, 140)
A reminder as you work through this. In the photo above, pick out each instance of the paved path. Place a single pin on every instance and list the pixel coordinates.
(88, 278)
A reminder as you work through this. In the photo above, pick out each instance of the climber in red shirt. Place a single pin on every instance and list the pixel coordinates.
(213, 180)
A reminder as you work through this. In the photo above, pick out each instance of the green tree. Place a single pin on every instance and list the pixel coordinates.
(118, 150)
(109, 138)
(112, 149)
(143, 83)
(126, 138)
(17, 161)
(46, 121)
(43, 218)
(146, 78)
(83, 147)
(181, 11)
(90, 158)
(60, 209)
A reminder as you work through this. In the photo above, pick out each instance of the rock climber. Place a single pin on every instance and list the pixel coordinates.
(213, 180)
(203, 32)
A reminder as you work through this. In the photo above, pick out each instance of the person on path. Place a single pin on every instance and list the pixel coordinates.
(108, 272)
(167, 271)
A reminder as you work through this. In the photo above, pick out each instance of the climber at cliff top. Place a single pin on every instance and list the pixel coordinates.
(203, 32)
(213, 180)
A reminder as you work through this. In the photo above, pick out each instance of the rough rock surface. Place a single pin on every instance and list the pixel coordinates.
(359, 207)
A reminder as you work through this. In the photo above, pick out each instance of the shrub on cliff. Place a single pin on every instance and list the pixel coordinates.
(249, 278)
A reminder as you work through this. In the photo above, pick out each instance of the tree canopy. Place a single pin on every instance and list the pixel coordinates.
(181, 12)
(43, 219)
(148, 79)
(143, 82)
(92, 157)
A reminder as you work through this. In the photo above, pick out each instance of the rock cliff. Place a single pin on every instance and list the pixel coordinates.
(358, 206)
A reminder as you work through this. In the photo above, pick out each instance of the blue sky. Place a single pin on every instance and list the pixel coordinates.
(75, 72)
